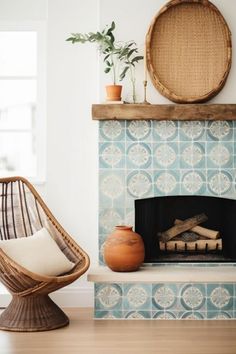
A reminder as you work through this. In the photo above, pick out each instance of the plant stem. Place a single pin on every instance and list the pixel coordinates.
(113, 69)
(133, 82)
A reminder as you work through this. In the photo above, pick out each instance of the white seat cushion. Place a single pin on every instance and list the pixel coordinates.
(38, 253)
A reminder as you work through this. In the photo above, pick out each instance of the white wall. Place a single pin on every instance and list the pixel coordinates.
(71, 185)
(133, 18)
(71, 188)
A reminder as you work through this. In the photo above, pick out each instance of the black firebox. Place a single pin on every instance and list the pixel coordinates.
(155, 215)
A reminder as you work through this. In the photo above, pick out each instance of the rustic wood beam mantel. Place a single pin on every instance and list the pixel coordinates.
(164, 111)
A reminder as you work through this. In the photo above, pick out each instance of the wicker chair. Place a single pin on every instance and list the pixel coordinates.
(22, 213)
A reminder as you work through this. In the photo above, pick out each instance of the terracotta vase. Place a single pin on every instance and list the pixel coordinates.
(113, 92)
(124, 250)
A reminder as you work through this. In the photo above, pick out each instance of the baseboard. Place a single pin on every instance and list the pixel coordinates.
(69, 297)
(74, 297)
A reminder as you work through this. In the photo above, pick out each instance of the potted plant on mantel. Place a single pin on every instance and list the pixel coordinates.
(119, 58)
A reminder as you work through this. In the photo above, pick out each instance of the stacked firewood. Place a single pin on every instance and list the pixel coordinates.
(187, 235)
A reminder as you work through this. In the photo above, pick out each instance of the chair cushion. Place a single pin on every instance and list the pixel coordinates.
(38, 253)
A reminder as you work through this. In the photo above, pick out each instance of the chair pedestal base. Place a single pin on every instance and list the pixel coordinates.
(32, 314)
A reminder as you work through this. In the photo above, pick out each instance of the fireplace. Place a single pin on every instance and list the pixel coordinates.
(151, 173)
(153, 216)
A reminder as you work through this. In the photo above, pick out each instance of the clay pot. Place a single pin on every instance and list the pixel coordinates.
(124, 250)
(113, 92)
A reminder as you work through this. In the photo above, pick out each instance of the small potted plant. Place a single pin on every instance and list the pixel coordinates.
(118, 58)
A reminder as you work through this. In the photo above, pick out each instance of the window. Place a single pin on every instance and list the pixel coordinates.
(22, 101)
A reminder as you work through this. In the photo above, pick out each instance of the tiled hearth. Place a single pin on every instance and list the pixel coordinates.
(142, 159)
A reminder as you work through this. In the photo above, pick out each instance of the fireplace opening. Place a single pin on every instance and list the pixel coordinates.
(187, 228)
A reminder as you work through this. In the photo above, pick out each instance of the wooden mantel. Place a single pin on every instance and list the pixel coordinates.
(164, 111)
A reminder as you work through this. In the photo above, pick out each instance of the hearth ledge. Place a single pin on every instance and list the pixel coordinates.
(146, 274)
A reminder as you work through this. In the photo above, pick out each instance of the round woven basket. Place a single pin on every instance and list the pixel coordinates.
(189, 51)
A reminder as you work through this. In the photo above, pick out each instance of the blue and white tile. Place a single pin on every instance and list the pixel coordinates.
(193, 297)
(192, 155)
(192, 315)
(129, 201)
(137, 296)
(163, 315)
(220, 297)
(220, 315)
(165, 130)
(220, 130)
(101, 243)
(112, 188)
(108, 297)
(111, 155)
(112, 130)
(219, 155)
(108, 315)
(192, 182)
(166, 183)
(192, 131)
(139, 184)
(130, 216)
(138, 130)
(139, 155)
(219, 181)
(109, 218)
(164, 296)
(137, 315)
(166, 155)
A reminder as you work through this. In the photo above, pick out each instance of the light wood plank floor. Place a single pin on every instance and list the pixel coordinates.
(87, 336)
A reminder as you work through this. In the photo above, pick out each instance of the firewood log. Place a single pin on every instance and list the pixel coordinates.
(184, 226)
(202, 231)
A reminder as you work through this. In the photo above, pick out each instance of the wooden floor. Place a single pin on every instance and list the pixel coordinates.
(85, 335)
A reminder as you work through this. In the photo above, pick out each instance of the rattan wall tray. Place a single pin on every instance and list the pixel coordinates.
(189, 51)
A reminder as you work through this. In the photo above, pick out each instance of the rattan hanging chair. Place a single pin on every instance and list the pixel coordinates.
(22, 213)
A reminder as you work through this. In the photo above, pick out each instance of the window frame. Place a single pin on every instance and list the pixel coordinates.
(40, 122)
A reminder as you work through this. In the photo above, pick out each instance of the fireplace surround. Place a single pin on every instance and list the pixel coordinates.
(145, 160)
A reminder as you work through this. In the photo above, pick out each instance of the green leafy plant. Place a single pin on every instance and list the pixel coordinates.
(128, 55)
(119, 58)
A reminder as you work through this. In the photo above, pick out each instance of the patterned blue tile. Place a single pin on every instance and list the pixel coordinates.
(163, 315)
(165, 130)
(193, 297)
(112, 130)
(139, 155)
(192, 315)
(137, 296)
(137, 315)
(192, 131)
(220, 297)
(219, 155)
(219, 181)
(101, 259)
(220, 315)
(193, 182)
(108, 297)
(166, 183)
(111, 155)
(139, 130)
(219, 131)
(112, 188)
(192, 155)
(101, 243)
(164, 296)
(169, 301)
(139, 184)
(108, 315)
(109, 218)
(166, 155)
